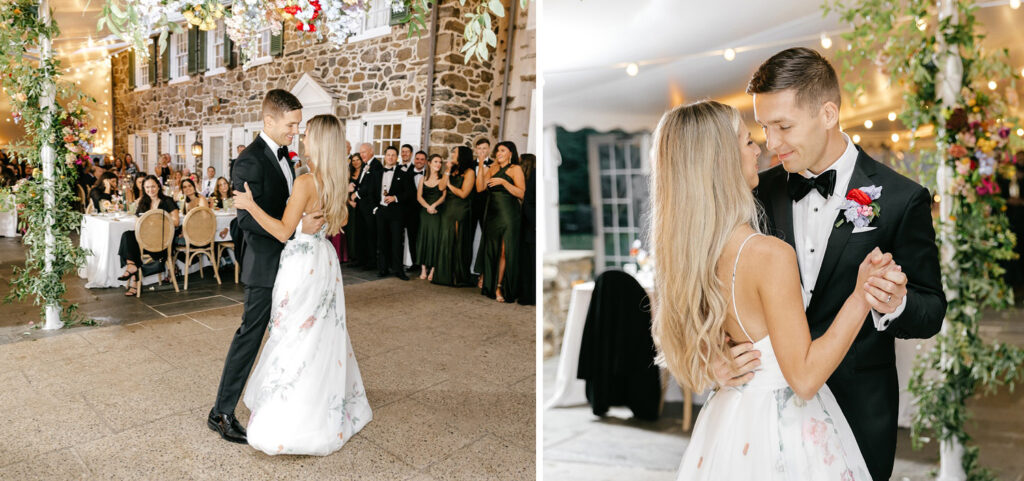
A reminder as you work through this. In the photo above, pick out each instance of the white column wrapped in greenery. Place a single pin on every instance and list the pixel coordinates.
(46, 157)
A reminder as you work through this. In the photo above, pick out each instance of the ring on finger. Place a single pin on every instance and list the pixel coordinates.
(889, 299)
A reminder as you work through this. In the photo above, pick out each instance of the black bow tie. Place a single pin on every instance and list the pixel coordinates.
(282, 152)
(389, 169)
(799, 185)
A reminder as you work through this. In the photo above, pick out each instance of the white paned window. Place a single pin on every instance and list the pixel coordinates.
(377, 21)
(141, 71)
(384, 135)
(177, 149)
(142, 149)
(264, 50)
(215, 39)
(179, 56)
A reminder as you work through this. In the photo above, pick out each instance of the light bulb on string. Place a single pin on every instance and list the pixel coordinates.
(729, 54)
(856, 139)
(868, 124)
(895, 137)
(632, 69)
(992, 85)
(1014, 4)
(892, 116)
(1020, 132)
(826, 42)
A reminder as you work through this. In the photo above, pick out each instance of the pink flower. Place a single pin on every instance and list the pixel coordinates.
(957, 150)
(847, 476)
(814, 430)
(865, 211)
(309, 323)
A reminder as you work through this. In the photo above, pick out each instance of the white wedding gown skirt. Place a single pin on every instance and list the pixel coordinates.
(305, 393)
(763, 431)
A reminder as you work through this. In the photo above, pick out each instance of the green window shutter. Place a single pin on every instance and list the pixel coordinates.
(165, 60)
(277, 44)
(193, 50)
(398, 16)
(229, 52)
(201, 50)
(131, 69)
(152, 63)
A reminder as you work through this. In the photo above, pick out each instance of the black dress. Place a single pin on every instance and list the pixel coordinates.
(129, 248)
(355, 228)
(528, 245)
(455, 240)
(501, 224)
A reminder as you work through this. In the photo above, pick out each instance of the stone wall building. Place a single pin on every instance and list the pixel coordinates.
(379, 84)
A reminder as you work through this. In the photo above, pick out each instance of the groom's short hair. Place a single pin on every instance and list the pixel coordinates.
(801, 69)
(278, 102)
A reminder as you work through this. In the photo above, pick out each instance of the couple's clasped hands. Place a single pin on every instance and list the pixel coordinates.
(311, 221)
(880, 282)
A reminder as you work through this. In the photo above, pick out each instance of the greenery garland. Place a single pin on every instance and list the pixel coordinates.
(973, 140)
(134, 20)
(24, 80)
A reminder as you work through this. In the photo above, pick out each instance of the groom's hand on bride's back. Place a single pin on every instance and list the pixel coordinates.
(312, 222)
(741, 370)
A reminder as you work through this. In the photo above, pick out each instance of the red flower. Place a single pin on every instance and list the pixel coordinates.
(291, 9)
(292, 155)
(858, 196)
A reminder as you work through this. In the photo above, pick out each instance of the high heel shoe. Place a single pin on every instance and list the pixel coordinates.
(497, 294)
(128, 275)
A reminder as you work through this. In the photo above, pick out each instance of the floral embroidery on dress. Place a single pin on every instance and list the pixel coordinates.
(309, 323)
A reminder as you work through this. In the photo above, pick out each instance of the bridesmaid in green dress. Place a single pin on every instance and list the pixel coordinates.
(498, 258)
(356, 228)
(430, 193)
(456, 232)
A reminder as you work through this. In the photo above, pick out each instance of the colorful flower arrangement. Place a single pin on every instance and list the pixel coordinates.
(204, 15)
(978, 147)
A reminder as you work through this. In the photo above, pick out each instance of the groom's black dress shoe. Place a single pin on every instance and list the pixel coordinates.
(227, 426)
(402, 276)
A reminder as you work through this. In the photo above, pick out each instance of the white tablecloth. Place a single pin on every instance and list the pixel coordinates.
(101, 234)
(9, 223)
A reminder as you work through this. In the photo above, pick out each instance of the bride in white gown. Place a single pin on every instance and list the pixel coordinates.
(784, 424)
(305, 393)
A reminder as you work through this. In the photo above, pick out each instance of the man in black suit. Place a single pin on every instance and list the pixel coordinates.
(265, 166)
(368, 250)
(385, 189)
(414, 175)
(482, 152)
(405, 153)
(796, 101)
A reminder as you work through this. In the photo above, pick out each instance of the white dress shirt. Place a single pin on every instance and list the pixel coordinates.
(385, 185)
(283, 163)
(209, 185)
(814, 219)
(418, 176)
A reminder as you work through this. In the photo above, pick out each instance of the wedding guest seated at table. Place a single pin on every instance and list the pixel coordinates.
(129, 166)
(135, 193)
(118, 167)
(191, 195)
(163, 168)
(173, 184)
(187, 174)
(129, 249)
(209, 182)
(103, 192)
(221, 194)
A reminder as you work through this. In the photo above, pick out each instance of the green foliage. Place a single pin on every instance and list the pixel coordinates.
(27, 83)
(901, 38)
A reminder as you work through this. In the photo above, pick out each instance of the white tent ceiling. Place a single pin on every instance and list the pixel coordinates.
(77, 21)
(585, 46)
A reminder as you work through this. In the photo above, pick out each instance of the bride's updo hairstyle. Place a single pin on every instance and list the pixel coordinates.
(330, 169)
(700, 196)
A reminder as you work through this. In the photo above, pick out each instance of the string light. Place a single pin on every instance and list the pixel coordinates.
(1014, 4)
(922, 24)
(856, 139)
(729, 54)
(992, 85)
(892, 116)
(868, 124)
(632, 69)
(1020, 132)
(826, 42)
(895, 137)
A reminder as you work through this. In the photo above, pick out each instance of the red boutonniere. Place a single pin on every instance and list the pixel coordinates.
(860, 207)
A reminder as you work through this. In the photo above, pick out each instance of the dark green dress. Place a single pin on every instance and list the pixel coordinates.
(428, 243)
(456, 240)
(501, 224)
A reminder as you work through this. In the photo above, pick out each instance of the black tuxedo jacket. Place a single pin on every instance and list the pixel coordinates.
(370, 191)
(261, 251)
(865, 383)
(363, 204)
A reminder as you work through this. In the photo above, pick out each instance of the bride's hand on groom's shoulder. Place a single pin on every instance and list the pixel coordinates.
(243, 199)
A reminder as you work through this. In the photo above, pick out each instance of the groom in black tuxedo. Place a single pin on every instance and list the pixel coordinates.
(368, 248)
(266, 167)
(385, 189)
(796, 100)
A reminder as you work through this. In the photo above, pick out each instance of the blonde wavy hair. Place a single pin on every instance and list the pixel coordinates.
(330, 169)
(700, 197)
